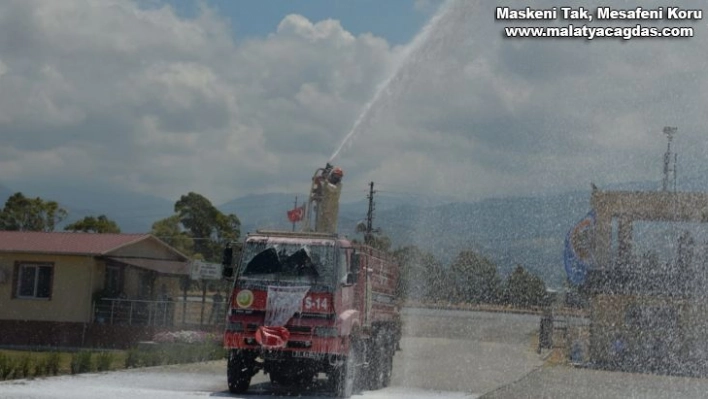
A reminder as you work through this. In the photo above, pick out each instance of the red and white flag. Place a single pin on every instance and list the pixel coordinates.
(297, 214)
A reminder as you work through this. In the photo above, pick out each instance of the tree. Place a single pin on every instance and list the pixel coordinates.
(171, 232)
(524, 289)
(30, 214)
(210, 229)
(412, 280)
(380, 242)
(90, 224)
(440, 282)
(476, 278)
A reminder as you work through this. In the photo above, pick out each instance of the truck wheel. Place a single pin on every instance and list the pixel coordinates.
(238, 372)
(345, 377)
(380, 364)
(373, 371)
(387, 367)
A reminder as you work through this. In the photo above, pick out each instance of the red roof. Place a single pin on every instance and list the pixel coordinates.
(65, 242)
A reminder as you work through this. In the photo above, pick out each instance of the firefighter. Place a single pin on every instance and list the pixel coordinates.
(335, 176)
(328, 205)
(331, 175)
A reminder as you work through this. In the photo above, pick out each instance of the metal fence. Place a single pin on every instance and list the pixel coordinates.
(192, 312)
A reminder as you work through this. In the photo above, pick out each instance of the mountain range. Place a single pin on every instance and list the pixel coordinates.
(512, 230)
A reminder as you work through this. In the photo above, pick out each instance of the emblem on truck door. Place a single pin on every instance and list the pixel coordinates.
(244, 298)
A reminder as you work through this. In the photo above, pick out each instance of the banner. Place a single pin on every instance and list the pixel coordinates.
(297, 214)
(282, 303)
(577, 255)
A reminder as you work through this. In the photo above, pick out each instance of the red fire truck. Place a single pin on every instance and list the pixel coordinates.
(312, 302)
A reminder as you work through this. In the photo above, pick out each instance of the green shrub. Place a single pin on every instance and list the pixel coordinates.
(41, 367)
(170, 356)
(153, 358)
(53, 361)
(133, 359)
(103, 361)
(7, 367)
(174, 353)
(24, 366)
(81, 362)
(189, 354)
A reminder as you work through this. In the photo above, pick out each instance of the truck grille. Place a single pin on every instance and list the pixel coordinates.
(299, 329)
(299, 344)
(253, 327)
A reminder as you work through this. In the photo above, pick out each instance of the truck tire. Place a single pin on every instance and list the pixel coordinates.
(380, 364)
(387, 367)
(345, 378)
(238, 372)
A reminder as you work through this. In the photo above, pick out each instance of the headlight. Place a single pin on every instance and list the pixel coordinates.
(326, 331)
(244, 298)
(235, 326)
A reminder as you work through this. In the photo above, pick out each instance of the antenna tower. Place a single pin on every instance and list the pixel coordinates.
(668, 168)
(368, 234)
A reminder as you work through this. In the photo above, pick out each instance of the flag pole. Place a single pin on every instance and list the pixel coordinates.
(295, 207)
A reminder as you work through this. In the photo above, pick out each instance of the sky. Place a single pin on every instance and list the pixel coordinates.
(234, 98)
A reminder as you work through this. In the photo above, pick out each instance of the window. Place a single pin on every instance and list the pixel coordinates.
(114, 281)
(343, 265)
(34, 280)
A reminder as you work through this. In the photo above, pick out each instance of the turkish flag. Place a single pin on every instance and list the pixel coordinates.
(297, 214)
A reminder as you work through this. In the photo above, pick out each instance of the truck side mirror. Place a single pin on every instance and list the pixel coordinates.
(227, 261)
(351, 278)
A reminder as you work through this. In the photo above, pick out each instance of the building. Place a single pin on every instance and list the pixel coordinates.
(52, 285)
(646, 315)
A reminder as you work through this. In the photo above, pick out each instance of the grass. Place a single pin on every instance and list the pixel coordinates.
(30, 364)
(81, 362)
(174, 353)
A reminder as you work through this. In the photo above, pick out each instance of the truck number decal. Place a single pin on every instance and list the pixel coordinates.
(315, 303)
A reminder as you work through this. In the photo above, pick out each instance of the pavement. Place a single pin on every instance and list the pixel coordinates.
(445, 354)
(565, 381)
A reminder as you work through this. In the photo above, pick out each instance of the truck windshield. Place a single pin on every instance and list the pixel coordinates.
(289, 261)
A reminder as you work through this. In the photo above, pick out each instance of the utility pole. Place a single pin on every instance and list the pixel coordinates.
(370, 216)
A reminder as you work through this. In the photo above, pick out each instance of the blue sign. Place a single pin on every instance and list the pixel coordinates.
(577, 255)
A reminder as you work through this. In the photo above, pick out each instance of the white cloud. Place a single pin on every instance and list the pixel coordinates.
(167, 104)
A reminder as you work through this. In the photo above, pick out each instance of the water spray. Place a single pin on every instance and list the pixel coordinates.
(420, 39)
